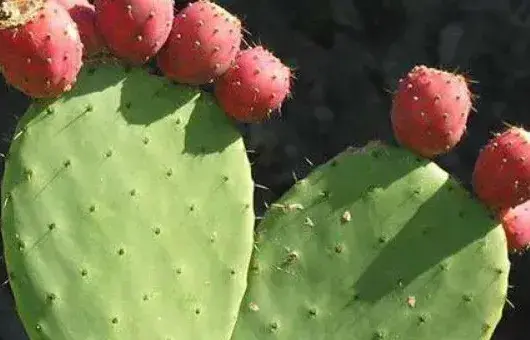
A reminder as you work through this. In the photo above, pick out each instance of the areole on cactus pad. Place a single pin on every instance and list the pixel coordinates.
(127, 212)
(375, 244)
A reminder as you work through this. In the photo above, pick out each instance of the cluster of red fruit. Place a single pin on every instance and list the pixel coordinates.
(43, 44)
(429, 116)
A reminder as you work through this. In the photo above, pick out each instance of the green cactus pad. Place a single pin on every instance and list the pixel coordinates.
(127, 212)
(374, 245)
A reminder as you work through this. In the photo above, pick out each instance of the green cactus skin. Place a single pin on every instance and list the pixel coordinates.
(127, 212)
(375, 244)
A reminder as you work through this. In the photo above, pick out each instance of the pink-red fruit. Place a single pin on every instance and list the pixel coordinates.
(40, 57)
(501, 177)
(516, 224)
(254, 86)
(84, 15)
(134, 30)
(204, 41)
(430, 111)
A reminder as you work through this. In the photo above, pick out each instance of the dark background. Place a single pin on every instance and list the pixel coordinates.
(348, 56)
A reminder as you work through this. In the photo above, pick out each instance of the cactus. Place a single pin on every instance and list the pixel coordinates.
(375, 244)
(127, 202)
(127, 212)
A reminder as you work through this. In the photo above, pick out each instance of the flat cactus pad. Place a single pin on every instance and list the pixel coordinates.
(127, 212)
(374, 245)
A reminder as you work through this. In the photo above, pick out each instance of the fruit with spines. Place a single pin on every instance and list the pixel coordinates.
(501, 175)
(430, 110)
(127, 212)
(84, 15)
(516, 223)
(203, 42)
(255, 85)
(41, 52)
(134, 30)
(376, 244)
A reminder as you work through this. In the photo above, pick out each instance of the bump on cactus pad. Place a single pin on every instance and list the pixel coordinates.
(127, 212)
(375, 244)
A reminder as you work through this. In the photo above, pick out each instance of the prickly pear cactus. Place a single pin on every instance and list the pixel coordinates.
(375, 245)
(127, 212)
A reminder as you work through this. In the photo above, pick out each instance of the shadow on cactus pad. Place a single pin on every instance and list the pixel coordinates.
(145, 103)
(202, 131)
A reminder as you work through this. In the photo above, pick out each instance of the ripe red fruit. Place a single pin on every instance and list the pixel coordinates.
(134, 30)
(84, 15)
(430, 111)
(501, 177)
(254, 86)
(516, 224)
(203, 42)
(41, 52)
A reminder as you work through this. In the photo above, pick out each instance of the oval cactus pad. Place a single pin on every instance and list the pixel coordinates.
(127, 212)
(374, 245)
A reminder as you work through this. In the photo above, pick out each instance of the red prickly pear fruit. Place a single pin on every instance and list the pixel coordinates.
(501, 176)
(203, 42)
(84, 15)
(254, 86)
(430, 111)
(134, 30)
(41, 52)
(516, 224)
